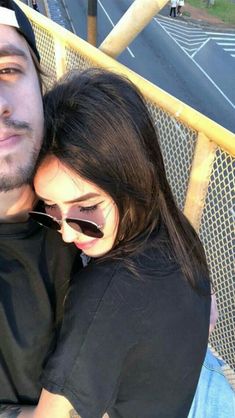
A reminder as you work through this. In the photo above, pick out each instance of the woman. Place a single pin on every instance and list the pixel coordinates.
(136, 319)
(179, 7)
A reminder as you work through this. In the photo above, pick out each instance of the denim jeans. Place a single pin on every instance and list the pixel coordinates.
(214, 397)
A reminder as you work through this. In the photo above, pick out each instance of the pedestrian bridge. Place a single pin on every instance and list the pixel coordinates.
(199, 159)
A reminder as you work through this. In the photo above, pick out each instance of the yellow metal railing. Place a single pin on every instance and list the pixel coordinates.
(199, 158)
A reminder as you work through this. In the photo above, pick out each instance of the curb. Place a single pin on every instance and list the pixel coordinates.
(56, 11)
(48, 14)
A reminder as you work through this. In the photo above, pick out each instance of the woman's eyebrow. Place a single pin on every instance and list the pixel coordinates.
(86, 196)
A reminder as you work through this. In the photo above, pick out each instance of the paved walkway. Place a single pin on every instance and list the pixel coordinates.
(200, 16)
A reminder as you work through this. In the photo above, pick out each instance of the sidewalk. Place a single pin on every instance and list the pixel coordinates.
(41, 5)
(199, 17)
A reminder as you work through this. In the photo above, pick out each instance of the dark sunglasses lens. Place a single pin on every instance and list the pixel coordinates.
(87, 228)
(45, 220)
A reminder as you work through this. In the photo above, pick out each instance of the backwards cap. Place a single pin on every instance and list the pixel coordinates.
(12, 15)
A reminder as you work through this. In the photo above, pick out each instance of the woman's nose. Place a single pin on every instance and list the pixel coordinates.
(68, 234)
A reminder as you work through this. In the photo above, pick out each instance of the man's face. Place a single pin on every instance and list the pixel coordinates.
(21, 111)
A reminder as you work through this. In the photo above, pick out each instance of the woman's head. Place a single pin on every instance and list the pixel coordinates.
(99, 130)
(90, 215)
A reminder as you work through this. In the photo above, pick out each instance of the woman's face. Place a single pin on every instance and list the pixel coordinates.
(67, 195)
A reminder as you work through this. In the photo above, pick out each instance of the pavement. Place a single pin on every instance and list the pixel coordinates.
(203, 21)
(41, 5)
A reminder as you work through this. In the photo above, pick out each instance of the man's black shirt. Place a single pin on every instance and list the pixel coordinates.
(35, 268)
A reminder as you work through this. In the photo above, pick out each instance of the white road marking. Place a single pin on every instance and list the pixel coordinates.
(190, 40)
(187, 36)
(190, 43)
(200, 68)
(174, 22)
(189, 31)
(225, 43)
(222, 39)
(190, 49)
(187, 39)
(70, 20)
(219, 33)
(202, 45)
(193, 35)
(109, 18)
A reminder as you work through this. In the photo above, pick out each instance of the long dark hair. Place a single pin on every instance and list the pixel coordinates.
(97, 124)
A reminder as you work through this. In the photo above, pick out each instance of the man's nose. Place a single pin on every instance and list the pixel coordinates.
(68, 234)
(5, 107)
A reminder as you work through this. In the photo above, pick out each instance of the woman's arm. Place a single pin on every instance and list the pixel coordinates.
(214, 313)
(49, 406)
(53, 406)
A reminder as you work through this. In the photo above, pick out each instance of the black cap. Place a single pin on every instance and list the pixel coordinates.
(20, 21)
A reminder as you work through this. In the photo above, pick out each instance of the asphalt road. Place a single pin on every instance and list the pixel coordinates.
(186, 61)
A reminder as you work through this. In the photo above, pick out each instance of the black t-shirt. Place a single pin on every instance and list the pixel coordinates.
(35, 267)
(131, 345)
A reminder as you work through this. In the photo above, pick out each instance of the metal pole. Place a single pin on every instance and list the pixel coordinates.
(92, 22)
(131, 23)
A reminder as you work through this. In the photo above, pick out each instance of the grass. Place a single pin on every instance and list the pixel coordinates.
(223, 9)
(186, 14)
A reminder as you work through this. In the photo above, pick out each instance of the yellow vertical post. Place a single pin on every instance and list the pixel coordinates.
(92, 22)
(202, 164)
(60, 57)
(132, 22)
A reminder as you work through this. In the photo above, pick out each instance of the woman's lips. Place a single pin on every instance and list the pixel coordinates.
(86, 245)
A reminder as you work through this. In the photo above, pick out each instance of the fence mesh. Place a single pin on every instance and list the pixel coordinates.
(217, 234)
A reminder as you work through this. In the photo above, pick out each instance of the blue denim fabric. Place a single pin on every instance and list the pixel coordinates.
(214, 397)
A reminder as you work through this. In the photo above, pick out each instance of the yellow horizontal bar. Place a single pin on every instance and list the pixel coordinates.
(184, 113)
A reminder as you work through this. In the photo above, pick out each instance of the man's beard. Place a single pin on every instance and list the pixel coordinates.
(20, 175)
(16, 177)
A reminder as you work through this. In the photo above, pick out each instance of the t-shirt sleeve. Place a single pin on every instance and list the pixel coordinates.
(98, 330)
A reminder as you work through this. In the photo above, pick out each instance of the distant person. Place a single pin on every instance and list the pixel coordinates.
(179, 7)
(35, 5)
(173, 7)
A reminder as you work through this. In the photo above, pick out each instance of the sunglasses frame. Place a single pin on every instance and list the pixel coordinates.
(60, 222)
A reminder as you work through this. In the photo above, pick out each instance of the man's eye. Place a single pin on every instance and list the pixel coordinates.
(6, 71)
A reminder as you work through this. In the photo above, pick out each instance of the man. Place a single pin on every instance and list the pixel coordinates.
(34, 263)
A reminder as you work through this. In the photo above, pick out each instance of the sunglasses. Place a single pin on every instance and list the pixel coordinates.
(89, 228)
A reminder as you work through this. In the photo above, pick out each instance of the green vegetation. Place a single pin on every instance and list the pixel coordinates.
(223, 9)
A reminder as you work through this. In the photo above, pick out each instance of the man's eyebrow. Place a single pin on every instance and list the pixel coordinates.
(11, 50)
(86, 196)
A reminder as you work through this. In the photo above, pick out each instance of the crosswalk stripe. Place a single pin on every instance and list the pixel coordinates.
(186, 31)
(225, 43)
(222, 39)
(172, 24)
(219, 33)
